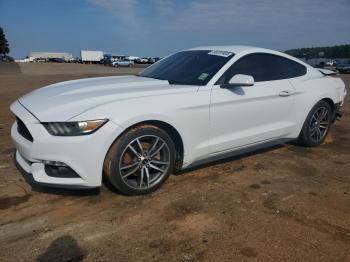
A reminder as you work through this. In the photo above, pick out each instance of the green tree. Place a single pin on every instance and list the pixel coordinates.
(4, 45)
(340, 51)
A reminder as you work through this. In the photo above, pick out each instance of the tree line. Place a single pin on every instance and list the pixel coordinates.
(338, 51)
(4, 47)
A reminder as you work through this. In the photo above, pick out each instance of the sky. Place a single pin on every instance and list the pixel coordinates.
(160, 27)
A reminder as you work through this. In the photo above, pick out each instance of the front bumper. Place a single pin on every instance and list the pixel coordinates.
(337, 114)
(83, 154)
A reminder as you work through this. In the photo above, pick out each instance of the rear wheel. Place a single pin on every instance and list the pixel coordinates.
(140, 161)
(317, 125)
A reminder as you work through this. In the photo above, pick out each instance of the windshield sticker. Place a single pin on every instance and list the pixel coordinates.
(203, 76)
(220, 53)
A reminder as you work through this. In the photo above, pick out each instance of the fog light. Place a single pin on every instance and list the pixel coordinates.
(53, 163)
(60, 171)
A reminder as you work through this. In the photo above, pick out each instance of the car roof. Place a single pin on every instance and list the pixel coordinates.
(235, 48)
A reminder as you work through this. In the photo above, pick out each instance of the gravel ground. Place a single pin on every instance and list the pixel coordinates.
(285, 203)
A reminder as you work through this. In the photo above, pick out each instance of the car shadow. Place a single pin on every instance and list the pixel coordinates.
(65, 191)
(64, 248)
(109, 186)
(237, 90)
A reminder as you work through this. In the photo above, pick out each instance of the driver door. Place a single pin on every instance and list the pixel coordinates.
(242, 116)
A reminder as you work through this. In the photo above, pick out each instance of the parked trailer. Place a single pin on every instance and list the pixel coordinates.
(91, 56)
(49, 55)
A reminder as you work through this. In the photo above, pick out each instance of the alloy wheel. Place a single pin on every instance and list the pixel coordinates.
(319, 124)
(144, 162)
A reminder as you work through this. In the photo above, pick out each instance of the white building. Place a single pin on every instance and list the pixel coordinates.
(47, 55)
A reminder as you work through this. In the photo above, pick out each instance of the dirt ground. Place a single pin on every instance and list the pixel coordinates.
(286, 203)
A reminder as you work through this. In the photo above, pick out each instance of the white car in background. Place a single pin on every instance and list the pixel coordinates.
(123, 63)
(191, 107)
(144, 60)
(331, 63)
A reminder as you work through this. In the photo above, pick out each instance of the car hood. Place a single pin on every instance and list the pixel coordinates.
(65, 100)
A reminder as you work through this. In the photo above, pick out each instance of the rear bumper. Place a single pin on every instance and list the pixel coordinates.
(82, 154)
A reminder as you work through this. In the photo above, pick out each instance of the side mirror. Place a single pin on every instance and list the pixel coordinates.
(239, 80)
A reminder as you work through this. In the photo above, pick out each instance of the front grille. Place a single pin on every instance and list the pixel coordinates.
(23, 130)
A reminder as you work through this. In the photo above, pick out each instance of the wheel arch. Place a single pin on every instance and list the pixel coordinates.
(169, 129)
(324, 98)
(303, 138)
(310, 105)
(330, 102)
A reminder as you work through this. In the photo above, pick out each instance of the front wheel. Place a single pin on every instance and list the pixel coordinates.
(317, 125)
(140, 161)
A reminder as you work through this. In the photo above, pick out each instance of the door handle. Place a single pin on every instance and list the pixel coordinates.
(285, 93)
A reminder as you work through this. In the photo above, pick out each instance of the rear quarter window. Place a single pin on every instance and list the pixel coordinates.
(291, 68)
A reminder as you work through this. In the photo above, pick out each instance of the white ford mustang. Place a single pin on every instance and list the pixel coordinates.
(193, 106)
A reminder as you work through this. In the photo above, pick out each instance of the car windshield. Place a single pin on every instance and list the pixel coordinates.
(195, 67)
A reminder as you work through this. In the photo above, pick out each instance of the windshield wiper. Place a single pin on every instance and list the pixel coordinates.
(158, 78)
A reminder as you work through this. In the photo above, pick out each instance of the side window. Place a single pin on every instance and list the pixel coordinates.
(292, 68)
(264, 67)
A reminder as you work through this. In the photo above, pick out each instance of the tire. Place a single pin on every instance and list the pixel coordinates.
(316, 125)
(135, 165)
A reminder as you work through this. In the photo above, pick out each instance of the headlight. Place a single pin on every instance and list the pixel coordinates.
(74, 128)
